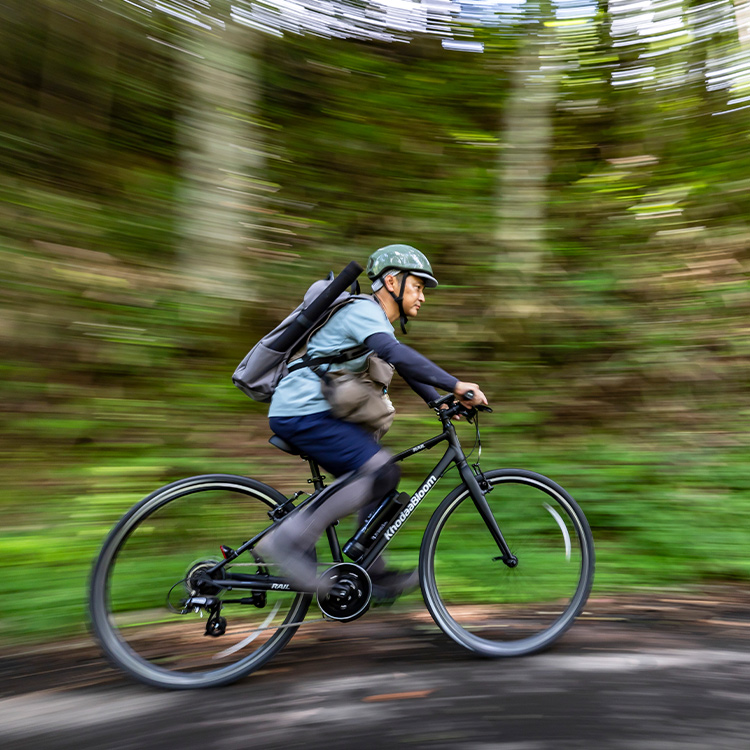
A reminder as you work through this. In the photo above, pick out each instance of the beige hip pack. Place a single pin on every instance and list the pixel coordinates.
(361, 397)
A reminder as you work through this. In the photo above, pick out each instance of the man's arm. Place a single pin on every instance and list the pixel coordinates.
(418, 371)
(426, 392)
(415, 368)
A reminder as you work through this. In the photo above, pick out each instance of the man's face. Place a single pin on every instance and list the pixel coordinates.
(413, 294)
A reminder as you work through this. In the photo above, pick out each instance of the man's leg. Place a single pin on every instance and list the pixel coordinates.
(339, 447)
(290, 545)
(387, 583)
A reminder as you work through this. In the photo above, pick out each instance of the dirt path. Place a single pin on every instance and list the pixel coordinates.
(657, 672)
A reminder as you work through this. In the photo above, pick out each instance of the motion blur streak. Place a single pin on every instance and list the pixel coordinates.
(174, 175)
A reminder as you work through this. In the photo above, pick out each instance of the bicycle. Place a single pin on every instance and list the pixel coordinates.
(171, 613)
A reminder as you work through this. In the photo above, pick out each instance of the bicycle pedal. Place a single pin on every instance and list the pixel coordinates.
(341, 589)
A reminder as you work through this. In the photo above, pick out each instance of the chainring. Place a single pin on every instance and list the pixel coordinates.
(350, 595)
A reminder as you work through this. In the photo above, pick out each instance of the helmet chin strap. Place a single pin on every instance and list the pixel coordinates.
(400, 302)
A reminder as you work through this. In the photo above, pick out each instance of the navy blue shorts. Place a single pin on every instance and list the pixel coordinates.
(336, 445)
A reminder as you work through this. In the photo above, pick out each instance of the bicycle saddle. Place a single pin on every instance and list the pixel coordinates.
(281, 444)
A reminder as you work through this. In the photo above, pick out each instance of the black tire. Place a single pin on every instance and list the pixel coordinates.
(149, 553)
(481, 603)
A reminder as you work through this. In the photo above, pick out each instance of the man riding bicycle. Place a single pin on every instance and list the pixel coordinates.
(300, 414)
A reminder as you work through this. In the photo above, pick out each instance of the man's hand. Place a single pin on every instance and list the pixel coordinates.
(479, 397)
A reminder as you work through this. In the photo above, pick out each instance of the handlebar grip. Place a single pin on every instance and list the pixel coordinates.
(469, 396)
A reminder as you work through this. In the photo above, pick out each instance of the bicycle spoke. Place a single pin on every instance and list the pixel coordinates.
(502, 610)
(164, 549)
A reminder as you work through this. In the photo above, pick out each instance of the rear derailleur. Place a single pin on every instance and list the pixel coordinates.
(202, 597)
(216, 625)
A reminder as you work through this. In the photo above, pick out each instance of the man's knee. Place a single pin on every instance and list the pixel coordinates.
(383, 471)
(387, 476)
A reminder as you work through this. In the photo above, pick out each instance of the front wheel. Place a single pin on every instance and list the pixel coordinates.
(154, 560)
(486, 606)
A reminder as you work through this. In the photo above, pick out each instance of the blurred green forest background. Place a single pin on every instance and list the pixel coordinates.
(174, 175)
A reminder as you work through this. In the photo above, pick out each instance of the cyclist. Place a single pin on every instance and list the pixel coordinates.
(300, 415)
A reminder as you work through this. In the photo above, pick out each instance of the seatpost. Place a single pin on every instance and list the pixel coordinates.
(318, 483)
(317, 477)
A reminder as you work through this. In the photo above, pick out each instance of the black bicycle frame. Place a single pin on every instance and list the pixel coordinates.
(453, 454)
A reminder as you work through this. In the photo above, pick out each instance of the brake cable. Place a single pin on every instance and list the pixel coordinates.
(477, 438)
(481, 478)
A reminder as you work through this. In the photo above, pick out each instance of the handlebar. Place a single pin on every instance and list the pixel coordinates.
(456, 407)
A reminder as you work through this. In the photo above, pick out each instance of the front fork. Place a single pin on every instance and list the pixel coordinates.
(478, 493)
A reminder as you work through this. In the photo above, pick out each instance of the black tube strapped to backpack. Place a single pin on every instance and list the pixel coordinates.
(306, 319)
(263, 367)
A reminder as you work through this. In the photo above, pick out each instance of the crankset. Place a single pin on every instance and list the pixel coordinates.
(349, 591)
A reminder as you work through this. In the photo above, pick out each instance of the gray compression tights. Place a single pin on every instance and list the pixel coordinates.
(289, 545)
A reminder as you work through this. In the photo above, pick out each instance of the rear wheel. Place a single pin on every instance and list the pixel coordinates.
(483, 604)
(156, 558)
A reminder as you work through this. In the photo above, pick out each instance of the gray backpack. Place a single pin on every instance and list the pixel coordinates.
(268, 361)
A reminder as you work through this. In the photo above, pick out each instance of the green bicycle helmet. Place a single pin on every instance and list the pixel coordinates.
(398, 258)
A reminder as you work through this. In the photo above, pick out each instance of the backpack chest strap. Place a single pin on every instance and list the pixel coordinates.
(334, 359)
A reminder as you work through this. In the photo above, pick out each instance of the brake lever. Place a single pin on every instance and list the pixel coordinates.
(472, 414)
(469, 396)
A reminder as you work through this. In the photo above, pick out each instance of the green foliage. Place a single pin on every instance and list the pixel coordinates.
(615, 349)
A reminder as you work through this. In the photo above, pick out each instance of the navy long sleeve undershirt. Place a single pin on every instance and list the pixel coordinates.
(420, 373)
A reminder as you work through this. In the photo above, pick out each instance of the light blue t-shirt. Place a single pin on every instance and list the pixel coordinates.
(299, 394)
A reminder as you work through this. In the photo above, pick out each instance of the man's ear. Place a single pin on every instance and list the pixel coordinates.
(391, 282)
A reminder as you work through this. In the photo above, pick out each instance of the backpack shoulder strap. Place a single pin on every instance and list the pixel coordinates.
(334, 359)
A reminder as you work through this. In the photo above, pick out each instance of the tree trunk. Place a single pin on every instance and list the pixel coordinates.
(525, 155)
(221, 160)
(742, 18)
